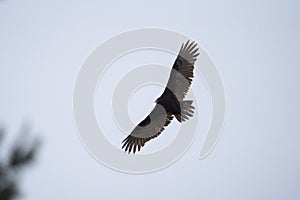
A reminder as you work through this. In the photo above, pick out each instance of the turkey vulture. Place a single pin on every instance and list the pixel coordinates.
(171, 103)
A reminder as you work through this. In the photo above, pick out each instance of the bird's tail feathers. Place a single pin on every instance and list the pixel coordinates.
(187, 110)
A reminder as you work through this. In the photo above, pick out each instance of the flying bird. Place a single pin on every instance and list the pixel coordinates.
(171, 103)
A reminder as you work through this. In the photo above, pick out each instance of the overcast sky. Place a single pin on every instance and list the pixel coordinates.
(255, 46)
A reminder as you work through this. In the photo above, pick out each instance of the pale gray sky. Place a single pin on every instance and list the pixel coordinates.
(254, 45)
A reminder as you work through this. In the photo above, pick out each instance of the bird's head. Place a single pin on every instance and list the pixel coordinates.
(157, 100)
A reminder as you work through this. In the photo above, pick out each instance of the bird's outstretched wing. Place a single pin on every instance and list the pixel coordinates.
(148, 129)
(182, 72)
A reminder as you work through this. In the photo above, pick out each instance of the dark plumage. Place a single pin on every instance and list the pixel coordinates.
(170, 103)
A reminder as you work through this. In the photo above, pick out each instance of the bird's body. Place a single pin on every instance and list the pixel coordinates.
(171, 103)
